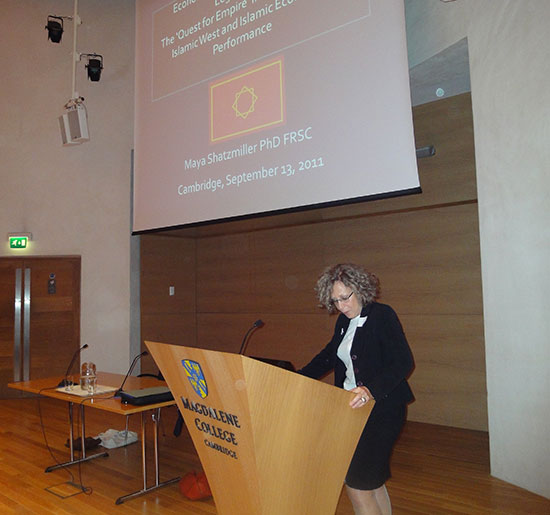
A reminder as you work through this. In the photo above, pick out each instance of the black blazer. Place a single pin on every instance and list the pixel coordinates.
(380, 353)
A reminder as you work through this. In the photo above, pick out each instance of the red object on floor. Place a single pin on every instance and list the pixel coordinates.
(194, 486)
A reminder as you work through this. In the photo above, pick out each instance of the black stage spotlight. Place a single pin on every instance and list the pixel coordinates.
(94, 66)
(54, 28)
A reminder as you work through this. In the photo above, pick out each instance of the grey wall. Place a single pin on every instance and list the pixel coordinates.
(74, 200)
(509, 50)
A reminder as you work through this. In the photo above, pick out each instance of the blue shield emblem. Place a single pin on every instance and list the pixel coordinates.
(194, 373)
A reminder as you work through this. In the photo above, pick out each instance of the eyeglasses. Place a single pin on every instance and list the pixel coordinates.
(341, 299)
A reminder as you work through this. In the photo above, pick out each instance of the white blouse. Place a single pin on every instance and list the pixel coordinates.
(344, 351)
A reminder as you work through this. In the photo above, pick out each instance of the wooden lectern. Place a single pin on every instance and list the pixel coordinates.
(271, 441)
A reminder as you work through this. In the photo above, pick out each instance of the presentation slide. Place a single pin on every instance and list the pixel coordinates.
(250, 107)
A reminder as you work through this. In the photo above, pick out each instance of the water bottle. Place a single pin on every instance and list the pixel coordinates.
(88, 378)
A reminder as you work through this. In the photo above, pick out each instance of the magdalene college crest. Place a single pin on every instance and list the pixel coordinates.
(196, 377)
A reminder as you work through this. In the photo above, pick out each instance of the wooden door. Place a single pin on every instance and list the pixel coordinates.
(10, 325)
(39, 317)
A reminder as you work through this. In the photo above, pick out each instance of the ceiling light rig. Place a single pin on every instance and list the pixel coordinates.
(94, 66)
(55, 28)
(74, 121)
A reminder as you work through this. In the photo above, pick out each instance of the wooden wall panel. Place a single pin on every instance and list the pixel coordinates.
(427, 260)
(261, 271)
(288, 336)
(226, 283)
(167, 261)
(287, 265)
(424, 248)
(449, 377)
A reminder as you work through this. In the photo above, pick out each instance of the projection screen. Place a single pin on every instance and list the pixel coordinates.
(257, 106)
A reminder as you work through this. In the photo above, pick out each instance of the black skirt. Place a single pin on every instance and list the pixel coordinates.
(370, 465)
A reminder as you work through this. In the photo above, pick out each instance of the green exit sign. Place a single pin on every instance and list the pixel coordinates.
(19, 242)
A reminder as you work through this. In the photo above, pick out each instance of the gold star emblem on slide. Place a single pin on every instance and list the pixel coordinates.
(248, 97)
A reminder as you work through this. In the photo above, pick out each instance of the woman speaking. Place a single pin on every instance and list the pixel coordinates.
(370, 357)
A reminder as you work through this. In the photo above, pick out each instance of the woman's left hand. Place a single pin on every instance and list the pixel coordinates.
(361, 398)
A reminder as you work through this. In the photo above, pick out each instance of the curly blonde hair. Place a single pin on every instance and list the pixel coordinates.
(364, 284)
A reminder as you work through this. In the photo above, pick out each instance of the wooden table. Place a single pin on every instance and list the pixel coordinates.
(48, 387)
